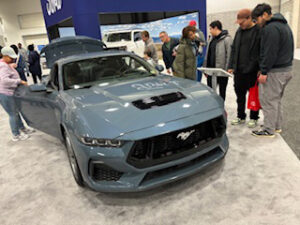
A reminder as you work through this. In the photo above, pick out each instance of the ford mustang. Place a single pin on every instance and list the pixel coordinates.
(126, 126)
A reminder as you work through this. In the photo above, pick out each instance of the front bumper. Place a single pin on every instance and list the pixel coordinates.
(133, 179)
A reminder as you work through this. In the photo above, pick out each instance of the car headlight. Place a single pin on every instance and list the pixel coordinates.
(101, 142)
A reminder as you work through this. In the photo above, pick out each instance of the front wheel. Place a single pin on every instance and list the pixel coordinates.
(73, 163)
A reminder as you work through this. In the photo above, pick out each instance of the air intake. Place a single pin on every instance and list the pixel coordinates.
(157, 101)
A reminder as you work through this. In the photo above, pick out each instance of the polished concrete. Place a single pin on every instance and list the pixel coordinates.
(257, 183)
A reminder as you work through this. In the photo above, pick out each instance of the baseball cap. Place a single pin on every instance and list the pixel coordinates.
(192, 23)
(8, 51)
(243, 14)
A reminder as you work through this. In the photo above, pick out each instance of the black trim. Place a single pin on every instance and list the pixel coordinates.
(165, 148)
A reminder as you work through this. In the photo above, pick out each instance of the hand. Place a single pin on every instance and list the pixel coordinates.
(262, 78)
(168, 71)
(24, 83)
(174, 54)
(230, 71)
(13, 65)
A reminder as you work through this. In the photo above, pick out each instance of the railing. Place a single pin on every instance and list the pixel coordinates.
(214, 72)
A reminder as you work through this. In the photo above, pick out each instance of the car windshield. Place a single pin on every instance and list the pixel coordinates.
(88, 72)
(119, 37)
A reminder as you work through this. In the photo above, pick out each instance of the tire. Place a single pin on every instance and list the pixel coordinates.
(73, 162)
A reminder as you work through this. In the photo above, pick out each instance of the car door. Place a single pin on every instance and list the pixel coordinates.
(42, 109)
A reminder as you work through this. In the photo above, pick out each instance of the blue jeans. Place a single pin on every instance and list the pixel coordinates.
(9, 105)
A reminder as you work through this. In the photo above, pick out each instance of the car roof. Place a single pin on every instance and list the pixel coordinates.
(84, 56)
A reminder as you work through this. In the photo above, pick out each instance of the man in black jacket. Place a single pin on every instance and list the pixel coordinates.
(244, 64)
(276, 60)
(168, 49)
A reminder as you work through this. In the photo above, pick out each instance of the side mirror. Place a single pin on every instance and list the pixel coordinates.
(159, 68)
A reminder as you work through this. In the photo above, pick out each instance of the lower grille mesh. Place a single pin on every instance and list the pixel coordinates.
(101, 172)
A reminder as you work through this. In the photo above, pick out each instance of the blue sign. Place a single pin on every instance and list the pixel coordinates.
(85, 14)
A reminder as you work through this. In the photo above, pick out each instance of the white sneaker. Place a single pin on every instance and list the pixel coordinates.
(252, 123)
(237, 121)
(20, 137)
(27, 130)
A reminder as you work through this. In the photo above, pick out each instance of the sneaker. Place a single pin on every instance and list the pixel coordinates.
(262, 133)
(278, 131)
(237, 121)
(28, 130)
(252, 123)
(20, 137)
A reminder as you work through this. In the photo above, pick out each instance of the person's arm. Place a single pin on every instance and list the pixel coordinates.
(179, 62)
(232, 55)
(30, 59)
(270, 43)
(228, 44)
(165, 58)
(7, 80)
(202, 38)
(153, 53)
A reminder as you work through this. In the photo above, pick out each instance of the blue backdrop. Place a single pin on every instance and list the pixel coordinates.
(85, 14)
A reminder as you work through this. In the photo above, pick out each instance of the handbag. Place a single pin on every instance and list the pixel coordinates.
(253, 98)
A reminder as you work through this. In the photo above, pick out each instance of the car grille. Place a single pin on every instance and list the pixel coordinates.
(101, 172)
(216, 153)
(177, 144)
(160, 100)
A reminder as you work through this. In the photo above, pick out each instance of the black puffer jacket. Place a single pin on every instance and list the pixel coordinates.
(277, 45)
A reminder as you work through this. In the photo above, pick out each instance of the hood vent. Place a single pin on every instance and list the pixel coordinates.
(157, 101)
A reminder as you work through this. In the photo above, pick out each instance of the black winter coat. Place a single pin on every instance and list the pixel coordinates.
(254, 51)
(277, 45)
(34, 63)
(167, 53)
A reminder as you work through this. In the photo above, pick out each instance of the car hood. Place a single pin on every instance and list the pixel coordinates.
(112, 103)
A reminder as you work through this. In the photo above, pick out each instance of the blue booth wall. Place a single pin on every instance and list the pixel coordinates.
(85, 14)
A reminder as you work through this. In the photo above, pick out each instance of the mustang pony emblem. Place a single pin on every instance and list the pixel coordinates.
(184, 135)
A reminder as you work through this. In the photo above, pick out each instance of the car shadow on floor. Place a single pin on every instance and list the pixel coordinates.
(181, 188)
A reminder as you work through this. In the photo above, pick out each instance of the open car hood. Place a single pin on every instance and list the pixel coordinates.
(68, 46)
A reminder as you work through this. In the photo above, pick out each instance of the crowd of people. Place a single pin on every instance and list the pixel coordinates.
(261, 52)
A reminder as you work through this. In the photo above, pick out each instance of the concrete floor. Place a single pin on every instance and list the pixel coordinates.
(257, 183)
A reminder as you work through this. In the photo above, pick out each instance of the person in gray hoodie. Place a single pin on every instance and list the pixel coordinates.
(276, 60)
(150, 46)
(218, 54)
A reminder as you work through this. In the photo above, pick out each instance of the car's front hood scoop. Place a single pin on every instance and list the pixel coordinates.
(114, 102)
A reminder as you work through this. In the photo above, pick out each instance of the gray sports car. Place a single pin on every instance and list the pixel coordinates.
(126, 126)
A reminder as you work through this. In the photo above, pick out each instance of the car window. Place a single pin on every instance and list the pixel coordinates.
(54, 77)
(137, 36)
(119, 37)
(92, 71)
